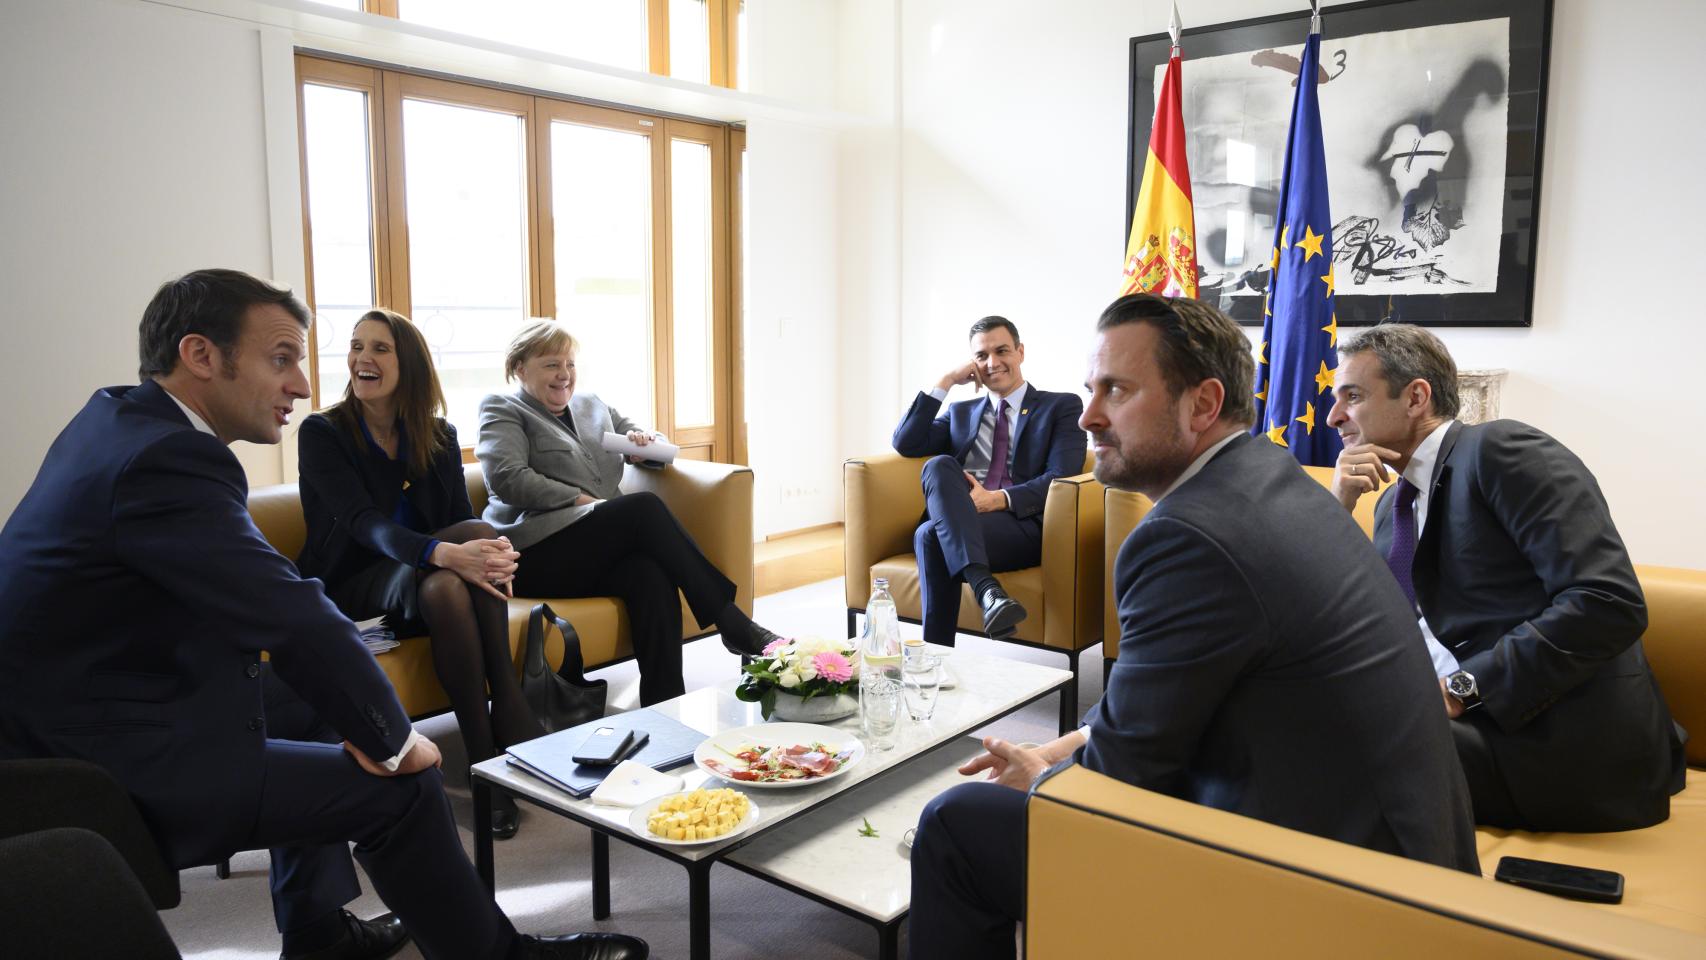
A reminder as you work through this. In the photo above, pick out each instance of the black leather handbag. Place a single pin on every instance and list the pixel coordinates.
(565, 698)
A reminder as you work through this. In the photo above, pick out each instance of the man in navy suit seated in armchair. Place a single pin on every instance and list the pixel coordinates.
(136, 599)
(992, 459)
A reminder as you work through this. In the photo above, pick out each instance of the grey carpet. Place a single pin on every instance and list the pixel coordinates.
(544, 874)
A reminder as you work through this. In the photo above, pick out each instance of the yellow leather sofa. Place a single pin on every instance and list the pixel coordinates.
(1063, 596)
(1183, 870)
(712, 500)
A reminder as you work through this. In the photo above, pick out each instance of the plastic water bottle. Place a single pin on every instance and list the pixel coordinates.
(879, 647)
(879, 669)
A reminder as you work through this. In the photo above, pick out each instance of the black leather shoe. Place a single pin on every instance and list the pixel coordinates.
(363, 940)
(581, 946)
(506, 819)
(757, 639)
(1001, 613)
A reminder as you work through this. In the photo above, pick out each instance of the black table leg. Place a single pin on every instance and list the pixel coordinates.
(888, 940)
(600, 875)
(483, 833)
(699, 910)
(1069, 698)
(852, 624)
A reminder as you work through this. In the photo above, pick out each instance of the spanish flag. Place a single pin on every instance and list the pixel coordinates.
(1161, 256)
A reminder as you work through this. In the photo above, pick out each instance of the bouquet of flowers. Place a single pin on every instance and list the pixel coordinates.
(803, 667)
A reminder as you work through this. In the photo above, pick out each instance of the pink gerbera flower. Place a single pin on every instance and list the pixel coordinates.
(833, 666)
(776, 645)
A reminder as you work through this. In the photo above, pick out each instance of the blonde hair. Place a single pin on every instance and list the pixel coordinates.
(540, 338)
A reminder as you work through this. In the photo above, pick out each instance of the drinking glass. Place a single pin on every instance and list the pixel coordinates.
(923, 682)
(879, 711)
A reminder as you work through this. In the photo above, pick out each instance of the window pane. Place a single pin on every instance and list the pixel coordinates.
(690, 40)
(340, 214)
(601, 189)
(740, 46)
(603, 31)
(466, 202)
(690, 283)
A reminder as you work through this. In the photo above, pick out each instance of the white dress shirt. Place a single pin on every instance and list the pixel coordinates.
(983, 448)
(197, 422)
(1420, 473)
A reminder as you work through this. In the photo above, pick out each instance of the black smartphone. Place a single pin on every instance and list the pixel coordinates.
(607, 745)
(1562, 879)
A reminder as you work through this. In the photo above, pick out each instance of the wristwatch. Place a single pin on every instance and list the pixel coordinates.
(1462, 686)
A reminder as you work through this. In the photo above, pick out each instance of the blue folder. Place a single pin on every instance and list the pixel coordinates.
(551, 757)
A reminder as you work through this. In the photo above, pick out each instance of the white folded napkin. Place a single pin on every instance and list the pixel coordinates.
(633, 783)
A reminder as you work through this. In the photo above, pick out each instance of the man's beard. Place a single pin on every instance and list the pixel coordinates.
(1148, 466)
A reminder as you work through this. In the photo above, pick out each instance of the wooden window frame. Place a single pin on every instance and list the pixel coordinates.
(387, 88)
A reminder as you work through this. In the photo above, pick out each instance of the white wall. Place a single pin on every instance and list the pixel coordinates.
(1013, 184)
(142, 141)
(132, 152)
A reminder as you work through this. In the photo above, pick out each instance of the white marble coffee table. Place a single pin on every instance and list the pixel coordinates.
(987, 689)
(822, 854)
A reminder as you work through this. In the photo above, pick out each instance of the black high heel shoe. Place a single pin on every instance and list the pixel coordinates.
(757, 639)
(506, 818)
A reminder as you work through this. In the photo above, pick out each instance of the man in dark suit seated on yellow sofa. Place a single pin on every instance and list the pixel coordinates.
(1267, 664)
(1505, 550)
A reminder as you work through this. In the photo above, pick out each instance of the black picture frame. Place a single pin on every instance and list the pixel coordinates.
(1511, 304)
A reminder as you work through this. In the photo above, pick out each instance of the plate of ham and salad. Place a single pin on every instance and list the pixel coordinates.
(779, 755)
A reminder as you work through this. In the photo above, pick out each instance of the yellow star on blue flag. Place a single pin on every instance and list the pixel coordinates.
(1298, 331)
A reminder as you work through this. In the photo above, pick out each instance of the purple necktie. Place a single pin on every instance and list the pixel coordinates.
(1402, 555)
(996, 478)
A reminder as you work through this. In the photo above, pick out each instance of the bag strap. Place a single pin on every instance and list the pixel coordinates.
(533, 654)
(574, 667)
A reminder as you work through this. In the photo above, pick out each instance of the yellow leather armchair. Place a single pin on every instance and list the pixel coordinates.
(712, 500)
(1063, 596)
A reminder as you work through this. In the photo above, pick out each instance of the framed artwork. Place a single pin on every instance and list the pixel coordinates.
(1432, 114)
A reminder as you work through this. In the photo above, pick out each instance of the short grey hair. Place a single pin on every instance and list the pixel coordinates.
(1407, 353)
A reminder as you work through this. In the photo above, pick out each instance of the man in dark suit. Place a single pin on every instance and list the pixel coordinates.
(1263, 668)
(1504, 547)
(136, 599)
(992, 460)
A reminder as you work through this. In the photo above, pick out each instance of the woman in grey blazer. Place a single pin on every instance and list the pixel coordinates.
(553, 493)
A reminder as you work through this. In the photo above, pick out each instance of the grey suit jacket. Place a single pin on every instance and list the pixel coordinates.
(534, 468)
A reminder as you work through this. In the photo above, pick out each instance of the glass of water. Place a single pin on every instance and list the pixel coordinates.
(879, 711)
(922, 677)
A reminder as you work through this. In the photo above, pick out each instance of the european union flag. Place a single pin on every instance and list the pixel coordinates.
(1294, 371)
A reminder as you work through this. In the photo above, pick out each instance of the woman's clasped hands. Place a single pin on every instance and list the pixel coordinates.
(487, 564)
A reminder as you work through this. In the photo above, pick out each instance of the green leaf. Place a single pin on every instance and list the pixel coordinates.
(867, 830)
(767, 703)
(749, 692)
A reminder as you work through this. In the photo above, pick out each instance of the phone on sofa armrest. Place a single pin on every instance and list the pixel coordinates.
(1562, 879)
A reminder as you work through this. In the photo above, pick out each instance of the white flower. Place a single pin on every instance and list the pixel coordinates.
(806, 669)
(788, 679)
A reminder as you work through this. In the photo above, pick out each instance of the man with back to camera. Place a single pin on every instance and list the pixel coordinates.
(1263, 667)
(139, 507)
(992, 460)
(1530, 609)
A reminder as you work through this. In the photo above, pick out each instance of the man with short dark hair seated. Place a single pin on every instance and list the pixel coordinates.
(991, 462)
(137, 598)
(1267, 666)
(1505, 550)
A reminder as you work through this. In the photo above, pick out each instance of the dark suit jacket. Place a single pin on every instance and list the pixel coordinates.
(1521, 574)
(1269, 665)
(348, 504)
(1048, 443)
(136, 597)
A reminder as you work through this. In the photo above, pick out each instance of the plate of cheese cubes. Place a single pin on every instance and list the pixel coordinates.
(695, 816)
